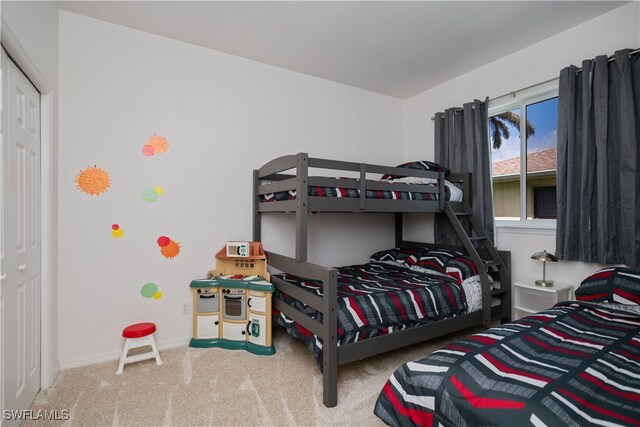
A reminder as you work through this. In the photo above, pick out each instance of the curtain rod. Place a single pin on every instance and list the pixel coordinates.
(513, 92)
(613, 58)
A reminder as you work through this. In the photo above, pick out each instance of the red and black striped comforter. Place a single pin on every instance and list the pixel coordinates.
(341, 192)
(376, 299)
(575, 364)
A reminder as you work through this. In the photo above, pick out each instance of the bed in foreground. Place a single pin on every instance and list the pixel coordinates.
(577, 363)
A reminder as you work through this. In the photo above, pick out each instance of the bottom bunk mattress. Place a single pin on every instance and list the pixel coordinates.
(576, 364)
(377, 299)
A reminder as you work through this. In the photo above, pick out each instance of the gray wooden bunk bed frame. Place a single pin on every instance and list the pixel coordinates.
(475, 243)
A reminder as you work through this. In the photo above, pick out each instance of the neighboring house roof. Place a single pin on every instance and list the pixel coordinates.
(538, 161)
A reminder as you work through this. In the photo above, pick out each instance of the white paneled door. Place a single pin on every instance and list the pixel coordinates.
(20, 242)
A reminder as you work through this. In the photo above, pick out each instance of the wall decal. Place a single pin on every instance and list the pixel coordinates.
(93, 181)
(155, 145)
(169, 248)
(148, 150)
(116, 231)
(150, 290)
(150, 195)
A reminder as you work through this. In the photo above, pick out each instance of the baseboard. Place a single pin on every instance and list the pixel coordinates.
(113, 355)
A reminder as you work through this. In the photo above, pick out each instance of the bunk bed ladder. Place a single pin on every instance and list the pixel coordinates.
(467, 238)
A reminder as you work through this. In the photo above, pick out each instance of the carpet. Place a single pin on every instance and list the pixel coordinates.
(218, 387)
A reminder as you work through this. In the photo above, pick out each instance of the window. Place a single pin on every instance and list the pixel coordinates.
(523, 137)
(544, 202)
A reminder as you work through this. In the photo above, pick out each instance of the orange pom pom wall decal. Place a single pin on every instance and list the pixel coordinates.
(93, 181)
(171, 250)
(155, 145)
(168, 248)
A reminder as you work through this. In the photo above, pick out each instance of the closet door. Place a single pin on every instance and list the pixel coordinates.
(20, 287)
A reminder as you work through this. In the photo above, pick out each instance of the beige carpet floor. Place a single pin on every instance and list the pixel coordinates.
(224, 388)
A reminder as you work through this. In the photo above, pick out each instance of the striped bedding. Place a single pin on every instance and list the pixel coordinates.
(318, 191)
(376, 299)
(577, 363)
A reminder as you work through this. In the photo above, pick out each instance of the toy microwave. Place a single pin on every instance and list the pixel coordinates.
(238, 249)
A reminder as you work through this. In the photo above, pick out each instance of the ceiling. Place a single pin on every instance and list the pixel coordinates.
(395, 48)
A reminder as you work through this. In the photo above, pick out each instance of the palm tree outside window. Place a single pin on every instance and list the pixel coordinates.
(523, 138)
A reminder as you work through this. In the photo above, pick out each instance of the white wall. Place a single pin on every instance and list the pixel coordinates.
(35, 24)
(605, 34)
(223, 116)
(34, 27)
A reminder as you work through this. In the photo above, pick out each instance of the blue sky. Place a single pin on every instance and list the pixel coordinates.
(544, 117)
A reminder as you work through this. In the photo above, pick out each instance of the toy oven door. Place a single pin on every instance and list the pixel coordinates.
(234, 307)
(207, 301)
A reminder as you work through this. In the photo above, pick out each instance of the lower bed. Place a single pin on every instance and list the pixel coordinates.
(577, 363)
(378, 298)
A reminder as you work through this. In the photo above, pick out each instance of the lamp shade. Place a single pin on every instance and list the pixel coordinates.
(544, 256)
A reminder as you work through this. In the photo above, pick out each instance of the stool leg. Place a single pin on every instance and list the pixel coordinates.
(152, 340)
(123, 355)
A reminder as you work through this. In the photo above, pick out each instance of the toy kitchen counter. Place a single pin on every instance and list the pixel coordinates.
(233, 312)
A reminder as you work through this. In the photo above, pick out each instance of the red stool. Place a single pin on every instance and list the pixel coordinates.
(138, 335)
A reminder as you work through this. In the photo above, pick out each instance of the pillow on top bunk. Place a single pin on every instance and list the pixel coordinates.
(423, 165)
(613, 284)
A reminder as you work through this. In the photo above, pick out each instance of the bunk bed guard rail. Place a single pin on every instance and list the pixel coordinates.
(277, 180)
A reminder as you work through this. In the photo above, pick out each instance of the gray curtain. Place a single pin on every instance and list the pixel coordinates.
(598, 185)
(462, 145)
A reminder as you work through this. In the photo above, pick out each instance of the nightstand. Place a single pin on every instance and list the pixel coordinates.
(528, 298)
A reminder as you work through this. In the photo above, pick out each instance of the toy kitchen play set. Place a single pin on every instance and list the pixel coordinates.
(232, 309)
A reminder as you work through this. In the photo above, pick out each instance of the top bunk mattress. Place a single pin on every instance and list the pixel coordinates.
(452, 193)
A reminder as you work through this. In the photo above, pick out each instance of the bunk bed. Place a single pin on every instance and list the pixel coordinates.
(301, 194)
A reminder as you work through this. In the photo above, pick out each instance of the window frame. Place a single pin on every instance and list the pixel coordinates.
(509, 102)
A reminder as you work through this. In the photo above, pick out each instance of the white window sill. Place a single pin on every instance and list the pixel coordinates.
(534, 226)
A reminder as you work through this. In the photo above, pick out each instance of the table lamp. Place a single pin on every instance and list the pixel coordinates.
(544, 257)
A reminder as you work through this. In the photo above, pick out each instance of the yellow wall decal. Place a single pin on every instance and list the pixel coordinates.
(116, 231)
